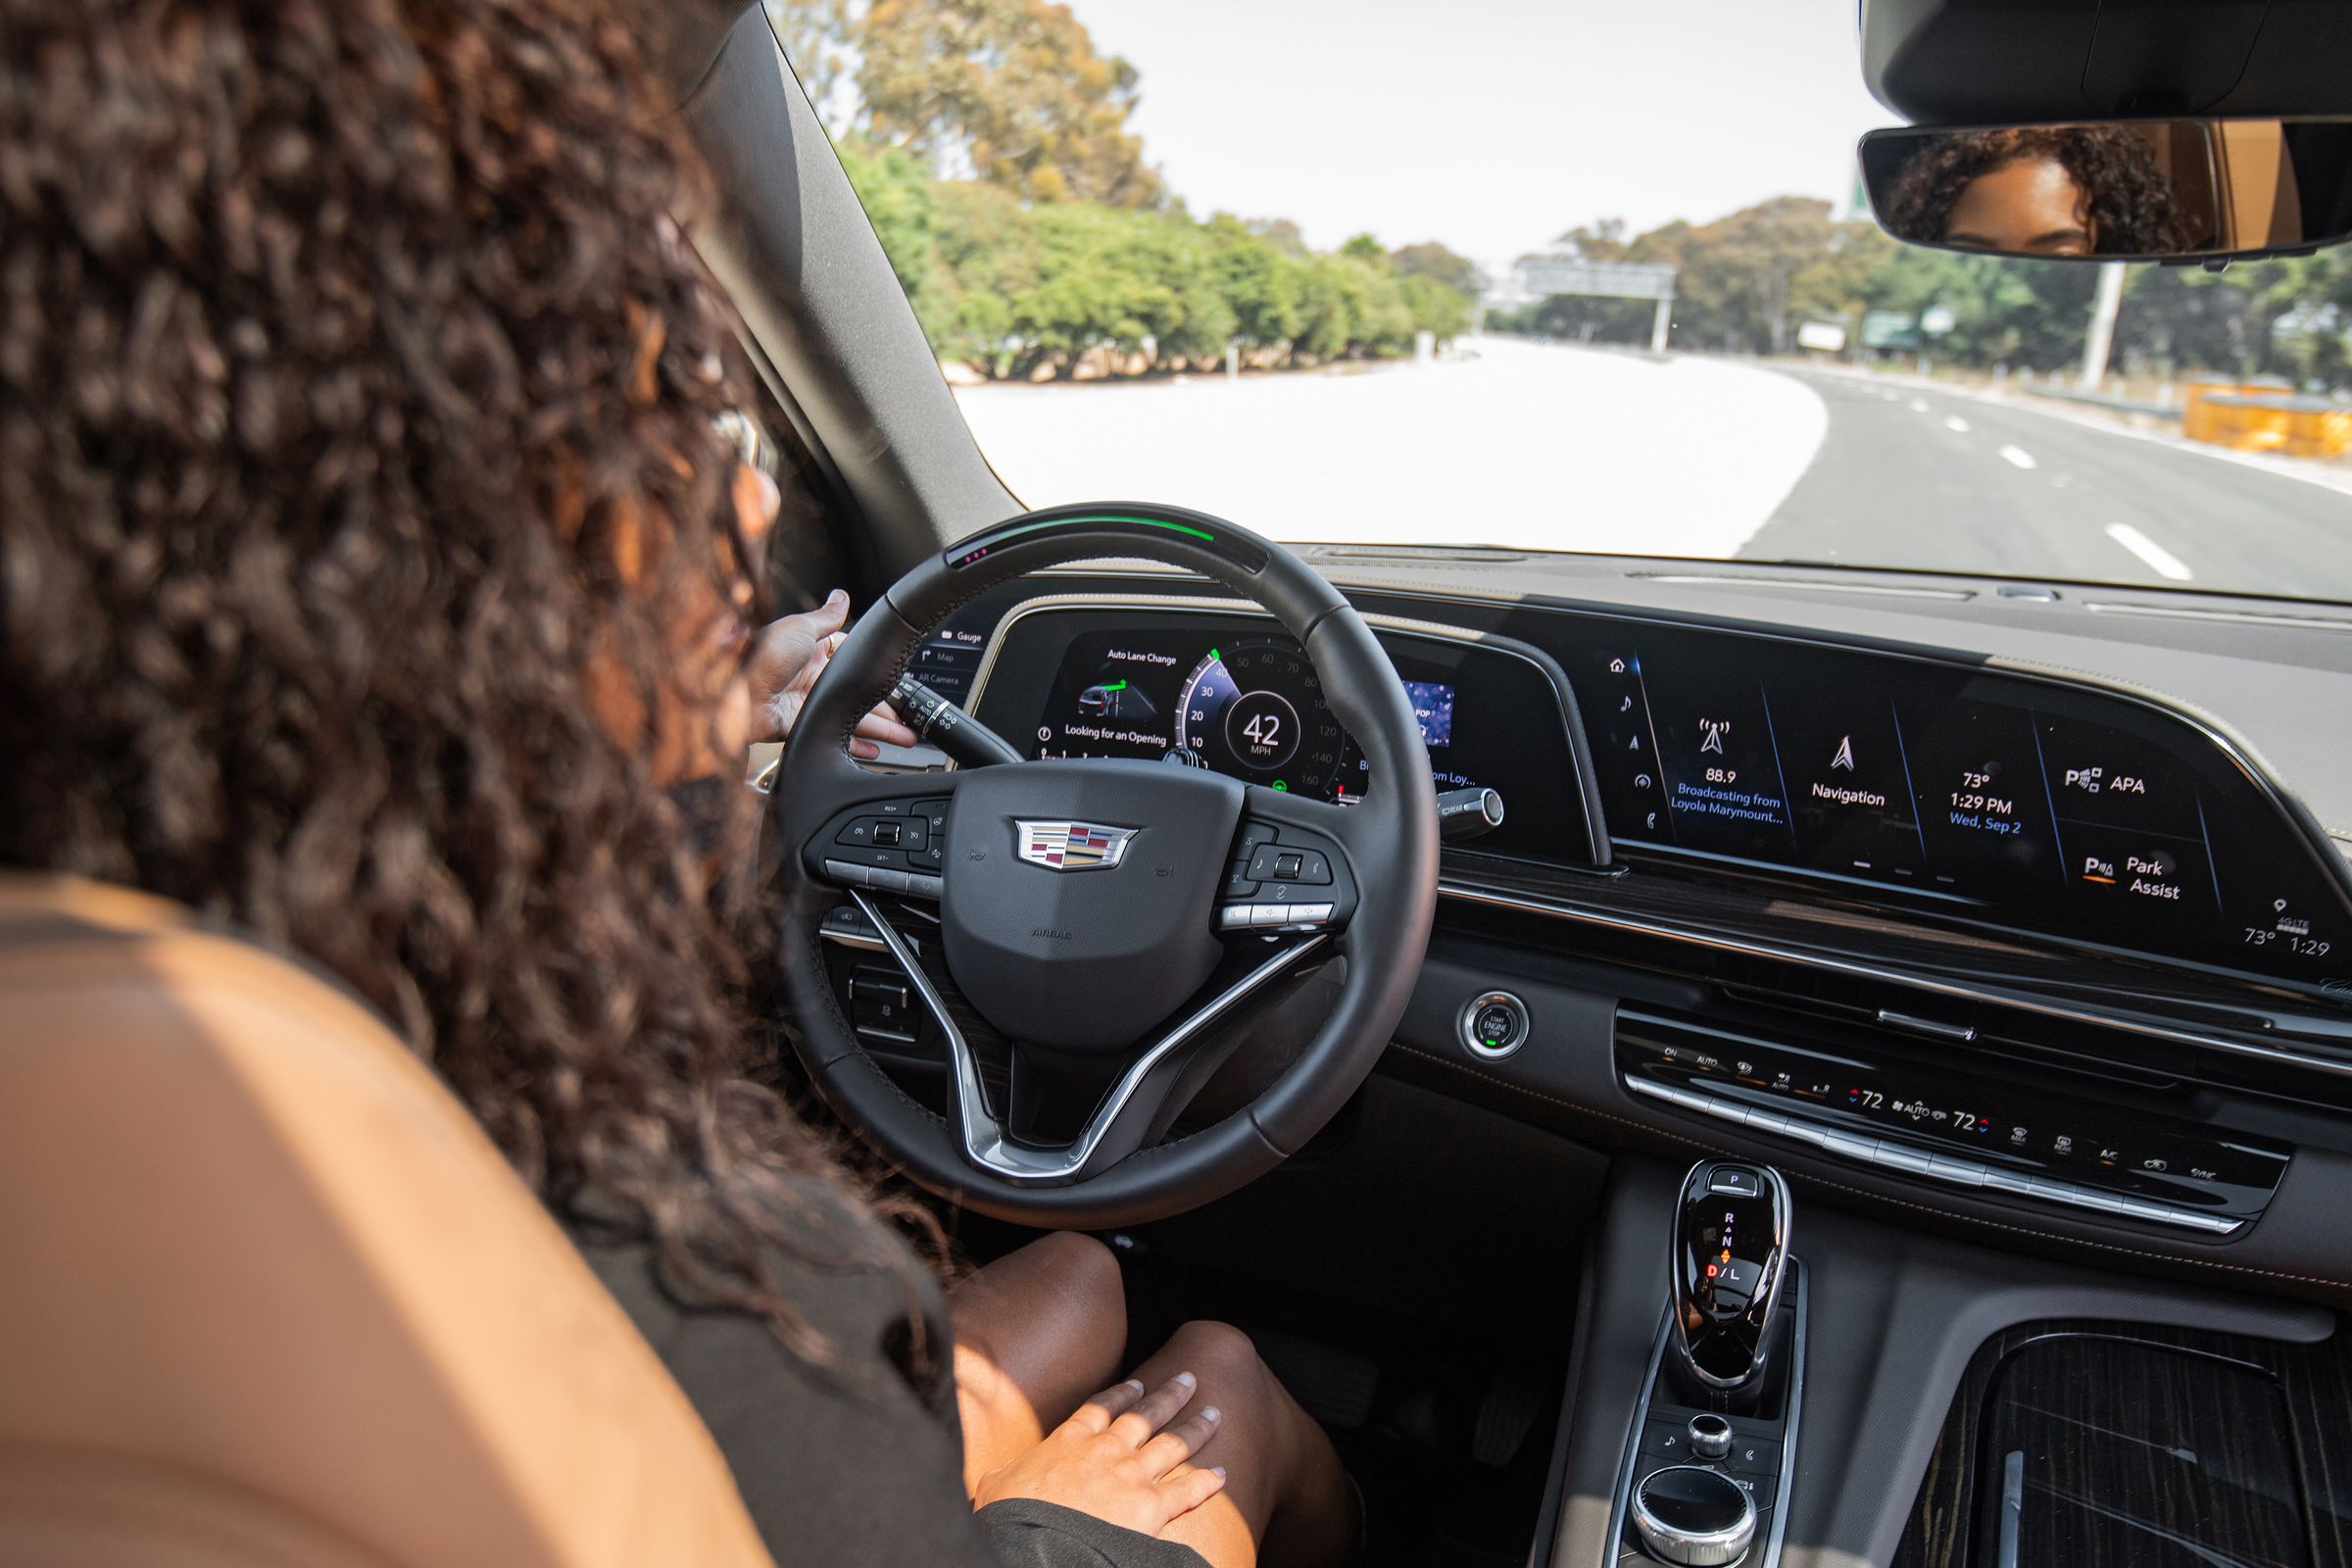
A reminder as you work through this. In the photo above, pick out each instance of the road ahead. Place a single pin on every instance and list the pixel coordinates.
(1560, 447)
(1912, 476)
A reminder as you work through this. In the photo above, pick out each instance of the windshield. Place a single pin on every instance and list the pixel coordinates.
(1554, 278)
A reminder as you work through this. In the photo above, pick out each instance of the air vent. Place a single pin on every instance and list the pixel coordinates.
(1413, 552)
(1754, 579)
(2242, 617)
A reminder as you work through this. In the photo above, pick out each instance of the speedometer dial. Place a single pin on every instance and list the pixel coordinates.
(1257, 712)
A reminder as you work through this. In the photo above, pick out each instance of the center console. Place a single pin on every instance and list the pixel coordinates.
(1713, 1443)
(1838, 1443)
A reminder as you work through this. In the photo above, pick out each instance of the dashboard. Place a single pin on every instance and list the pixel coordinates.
(1985, 906)
(1990, 796)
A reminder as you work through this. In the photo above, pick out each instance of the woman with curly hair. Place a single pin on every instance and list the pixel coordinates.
(2066, 190)
(377, 574)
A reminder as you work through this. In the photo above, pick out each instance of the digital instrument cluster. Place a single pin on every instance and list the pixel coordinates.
(2053, 807)
(1235, 695)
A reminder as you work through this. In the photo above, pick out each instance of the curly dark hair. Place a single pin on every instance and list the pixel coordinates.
(2131, 207)
(357, 462)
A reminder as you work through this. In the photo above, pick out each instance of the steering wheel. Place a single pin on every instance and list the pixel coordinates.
(1080, 929)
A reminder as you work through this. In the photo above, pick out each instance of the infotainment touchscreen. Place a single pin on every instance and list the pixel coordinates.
(2059, 807)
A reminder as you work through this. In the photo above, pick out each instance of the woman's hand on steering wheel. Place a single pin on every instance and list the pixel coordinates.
(1123, 1457)
(791, 653)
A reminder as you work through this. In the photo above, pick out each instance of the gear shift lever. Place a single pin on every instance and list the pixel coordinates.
(1730, 1246)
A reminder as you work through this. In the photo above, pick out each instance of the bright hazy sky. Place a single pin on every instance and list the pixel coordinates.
(1490, 124)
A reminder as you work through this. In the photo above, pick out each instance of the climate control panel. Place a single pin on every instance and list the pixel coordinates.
(1956, 1127)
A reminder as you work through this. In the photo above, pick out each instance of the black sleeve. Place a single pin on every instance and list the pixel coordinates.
(855, 1463)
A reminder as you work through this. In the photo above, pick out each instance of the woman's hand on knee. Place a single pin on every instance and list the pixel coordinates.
(1123, 1457)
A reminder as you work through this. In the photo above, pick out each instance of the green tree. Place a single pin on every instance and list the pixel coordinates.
(1011, 91)
(819, 40)
(1442, 310)
(1260, 281)
(1432, 261)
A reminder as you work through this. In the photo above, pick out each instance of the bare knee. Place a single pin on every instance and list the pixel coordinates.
(1217, 1354)
(1085, 1278)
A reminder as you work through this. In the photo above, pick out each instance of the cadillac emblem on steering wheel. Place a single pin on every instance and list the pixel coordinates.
(1073, 846)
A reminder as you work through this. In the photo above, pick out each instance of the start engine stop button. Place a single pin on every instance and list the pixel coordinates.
(1494, 1024)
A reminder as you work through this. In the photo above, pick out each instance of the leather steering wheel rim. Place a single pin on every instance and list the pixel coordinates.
(1383, 944)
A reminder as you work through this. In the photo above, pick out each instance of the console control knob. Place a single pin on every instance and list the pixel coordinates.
(1693, 1517)
(1710, 1437)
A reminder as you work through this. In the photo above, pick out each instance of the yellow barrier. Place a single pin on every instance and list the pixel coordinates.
(2197, 421)
(2249, 422)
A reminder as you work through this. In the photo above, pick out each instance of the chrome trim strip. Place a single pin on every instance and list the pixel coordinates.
(1633, 1443)
(985, 1142)
(2023, 1001)
(1948, 1169)
(1796, 1402)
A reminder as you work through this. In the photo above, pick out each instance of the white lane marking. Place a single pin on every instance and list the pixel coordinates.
(2160, 560)
(1892, 397)
(2019, 456)
(1918, 406)
(2322, 475)
(1956, 423)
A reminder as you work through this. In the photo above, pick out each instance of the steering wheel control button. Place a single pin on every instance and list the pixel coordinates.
(848, 876)
(884, 880)
(1494, 1025)
(1693, 1517)
(1280, 862)
(1710, 1437)
(925, 887)
(1233, 916)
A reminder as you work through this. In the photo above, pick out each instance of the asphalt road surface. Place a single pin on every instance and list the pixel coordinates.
(1554, 447)
(1912, 476)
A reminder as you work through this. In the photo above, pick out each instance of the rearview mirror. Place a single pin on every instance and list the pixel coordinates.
(2134, 190)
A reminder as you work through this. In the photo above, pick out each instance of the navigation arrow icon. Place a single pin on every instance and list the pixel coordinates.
(1845, 755)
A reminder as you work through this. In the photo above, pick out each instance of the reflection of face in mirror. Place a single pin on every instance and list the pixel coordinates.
(2032, 206)
(2073, 190)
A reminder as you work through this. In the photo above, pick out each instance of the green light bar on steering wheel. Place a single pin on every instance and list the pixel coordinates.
(1240, 552)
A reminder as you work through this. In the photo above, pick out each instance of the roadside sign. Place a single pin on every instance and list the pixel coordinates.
(1937, 319)
(1889, 329)
(1565, 274)
(1827, 336)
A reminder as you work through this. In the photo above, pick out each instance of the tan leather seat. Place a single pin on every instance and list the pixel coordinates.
(267, 1297)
